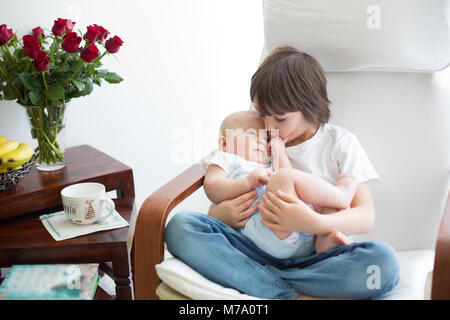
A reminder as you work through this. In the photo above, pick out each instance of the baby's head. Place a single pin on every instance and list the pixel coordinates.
(243, 133)
(289, 92)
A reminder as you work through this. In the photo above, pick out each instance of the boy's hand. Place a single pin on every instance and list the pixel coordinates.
(257, 177)
(283, 212)
(235, 212)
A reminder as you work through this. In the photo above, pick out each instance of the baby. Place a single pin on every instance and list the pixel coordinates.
(242, 164)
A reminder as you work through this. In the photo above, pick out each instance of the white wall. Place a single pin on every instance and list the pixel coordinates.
(186, 64)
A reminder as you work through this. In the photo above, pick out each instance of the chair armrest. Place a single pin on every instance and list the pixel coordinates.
(441, 274)
(150, 226)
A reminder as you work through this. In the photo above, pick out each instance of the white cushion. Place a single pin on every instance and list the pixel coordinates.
(179, 276)
(413, 35)
(414, 268)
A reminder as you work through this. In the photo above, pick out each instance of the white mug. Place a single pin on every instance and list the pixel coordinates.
(84, 203)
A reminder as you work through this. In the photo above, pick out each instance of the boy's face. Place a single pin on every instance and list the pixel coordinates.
(249, 142)
(289, 126)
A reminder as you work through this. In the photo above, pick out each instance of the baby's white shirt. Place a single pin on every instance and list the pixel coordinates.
(233, 165)
(229, 163)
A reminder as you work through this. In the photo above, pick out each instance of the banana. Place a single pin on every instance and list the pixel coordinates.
(8, 146)
(6, 169)
(20, 166)
(18, 156)
(3, 139)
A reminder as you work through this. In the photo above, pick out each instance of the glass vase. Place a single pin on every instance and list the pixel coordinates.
(47, 124)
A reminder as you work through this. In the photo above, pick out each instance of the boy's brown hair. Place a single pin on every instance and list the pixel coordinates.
(288, 81)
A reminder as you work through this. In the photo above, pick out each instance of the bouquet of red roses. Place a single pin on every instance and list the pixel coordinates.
(48, 69)
(39, 73)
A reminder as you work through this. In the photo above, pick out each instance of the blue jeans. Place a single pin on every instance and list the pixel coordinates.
(361, 270)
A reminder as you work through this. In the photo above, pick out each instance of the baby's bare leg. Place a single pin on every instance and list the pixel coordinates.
(323, 195)
(333, 239)
(281, 180)
(317, 191)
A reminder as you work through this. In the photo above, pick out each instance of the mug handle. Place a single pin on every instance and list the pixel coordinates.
(111, 206)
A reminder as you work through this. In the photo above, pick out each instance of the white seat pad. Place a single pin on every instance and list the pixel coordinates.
(414, 268)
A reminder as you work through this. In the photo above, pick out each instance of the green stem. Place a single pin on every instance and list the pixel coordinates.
(57, 129)
(78, 69)
(2, 76)
(45, 153)
(46, 128)
(98, 60)
(73, 75)
(45, 82)
(53, 47)
(6, 57)
(10, 54)
(51, 145)
(65, 59)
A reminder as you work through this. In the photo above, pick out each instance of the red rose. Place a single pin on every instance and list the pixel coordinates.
(41, 62)
(38, 31)
(103, 33)
(5, 34)
(90, 53)
(31, 45)
(59, 27)
(62, 26)
(92, 33)
(71, 42)
(113, 44)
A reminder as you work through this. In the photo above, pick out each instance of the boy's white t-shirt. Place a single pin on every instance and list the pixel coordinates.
(331, 152)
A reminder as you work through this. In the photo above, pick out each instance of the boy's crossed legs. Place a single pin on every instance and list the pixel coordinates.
(325, 197)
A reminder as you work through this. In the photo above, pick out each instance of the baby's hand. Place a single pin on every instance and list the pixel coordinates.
(277, 146)
(257, 177)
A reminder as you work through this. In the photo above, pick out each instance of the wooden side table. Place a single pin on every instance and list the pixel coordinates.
(24, 239)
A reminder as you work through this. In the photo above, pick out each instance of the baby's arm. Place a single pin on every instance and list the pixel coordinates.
(280, 161)
(279, 156)
(284, 161)
(218, 187)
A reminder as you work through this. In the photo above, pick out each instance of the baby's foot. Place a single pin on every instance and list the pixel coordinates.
(347, 183)
(331, 240)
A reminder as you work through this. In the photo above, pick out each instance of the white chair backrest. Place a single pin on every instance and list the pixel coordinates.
(355, 35)
(401, 118)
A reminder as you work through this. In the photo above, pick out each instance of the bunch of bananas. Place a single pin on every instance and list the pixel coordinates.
(13, 154)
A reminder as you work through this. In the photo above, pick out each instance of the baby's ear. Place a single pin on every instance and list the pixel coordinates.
(222, 143)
